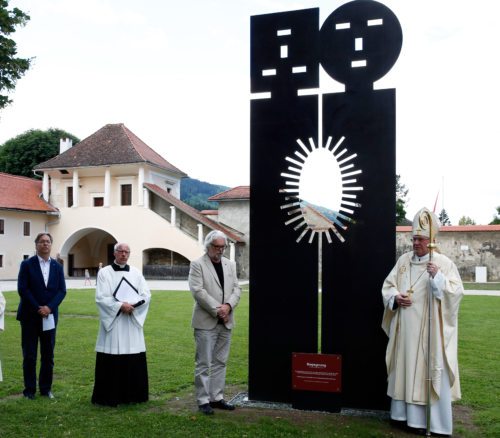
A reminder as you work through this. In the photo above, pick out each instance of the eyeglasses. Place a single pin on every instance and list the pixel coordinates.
(223, 247)
(419, 239)
(44, 242)
(123, 251)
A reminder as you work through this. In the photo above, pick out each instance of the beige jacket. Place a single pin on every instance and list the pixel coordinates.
(2, 310)
(207, 292)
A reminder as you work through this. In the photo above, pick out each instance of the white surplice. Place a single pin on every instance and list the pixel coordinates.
(120, 333)
(2, 312)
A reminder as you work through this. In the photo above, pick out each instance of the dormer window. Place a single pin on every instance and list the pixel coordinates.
(169, 185)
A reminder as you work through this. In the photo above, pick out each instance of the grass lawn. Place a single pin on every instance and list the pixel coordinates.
(481, 286)
(171, 410)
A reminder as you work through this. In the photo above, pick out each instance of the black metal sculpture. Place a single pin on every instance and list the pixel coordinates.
(355, 232)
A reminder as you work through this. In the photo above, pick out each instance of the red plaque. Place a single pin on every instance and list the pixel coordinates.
(317, 372)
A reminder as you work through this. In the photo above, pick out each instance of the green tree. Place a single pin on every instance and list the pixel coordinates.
(11, 68)
(443, 218)
(466, 220)
(401, 193)
(496, 218)
(19, 155)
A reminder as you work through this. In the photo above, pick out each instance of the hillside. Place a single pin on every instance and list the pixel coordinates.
(195, 193)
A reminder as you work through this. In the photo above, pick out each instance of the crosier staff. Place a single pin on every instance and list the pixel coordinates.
(426, 219)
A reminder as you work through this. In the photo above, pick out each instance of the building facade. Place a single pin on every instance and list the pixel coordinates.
(234, 214)
(23, 214)
(111, 187)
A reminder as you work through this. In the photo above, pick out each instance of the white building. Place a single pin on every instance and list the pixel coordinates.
(23, 214)
(234, 214)
(111, 187)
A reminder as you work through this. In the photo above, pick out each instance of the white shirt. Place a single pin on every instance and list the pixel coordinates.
(45, 267)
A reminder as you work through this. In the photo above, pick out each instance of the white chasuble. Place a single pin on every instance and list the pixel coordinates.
(408, 328)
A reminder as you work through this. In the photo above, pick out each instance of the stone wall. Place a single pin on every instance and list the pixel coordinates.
(468, 246)
(235, 214)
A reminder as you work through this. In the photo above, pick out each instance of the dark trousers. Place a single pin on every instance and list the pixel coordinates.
(31, 333)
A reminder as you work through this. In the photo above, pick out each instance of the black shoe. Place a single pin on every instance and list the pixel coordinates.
(49, 395)
(206, 409)
(29, 396)
(222, 404)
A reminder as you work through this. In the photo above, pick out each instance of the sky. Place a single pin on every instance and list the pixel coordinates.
(177, 75)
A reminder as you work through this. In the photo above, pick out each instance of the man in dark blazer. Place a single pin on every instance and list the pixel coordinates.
(42, 288)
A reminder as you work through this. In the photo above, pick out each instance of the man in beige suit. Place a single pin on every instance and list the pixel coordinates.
(214, 285)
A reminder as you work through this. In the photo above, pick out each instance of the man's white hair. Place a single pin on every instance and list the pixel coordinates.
(118, 244)
(213, 235)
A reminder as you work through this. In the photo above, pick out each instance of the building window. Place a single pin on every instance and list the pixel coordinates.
(1, 260)
(69, 196)
(126, 194)
(98, 201)
(2, 226)
(26, 229)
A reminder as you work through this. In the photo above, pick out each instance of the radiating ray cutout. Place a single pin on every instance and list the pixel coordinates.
(306, 213)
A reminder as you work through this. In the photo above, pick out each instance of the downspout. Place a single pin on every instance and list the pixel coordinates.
(52, 213)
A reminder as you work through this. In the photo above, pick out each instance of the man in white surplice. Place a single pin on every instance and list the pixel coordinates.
(121, 368)
(406, 322)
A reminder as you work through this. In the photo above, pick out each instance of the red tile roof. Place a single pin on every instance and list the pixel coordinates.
(195, 214)
(459, 228)
(112, 144)
(236, 193)
(21, 193)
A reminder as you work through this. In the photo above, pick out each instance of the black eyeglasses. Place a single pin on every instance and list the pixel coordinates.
(223, 247)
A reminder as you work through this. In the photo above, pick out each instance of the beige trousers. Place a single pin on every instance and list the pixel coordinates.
(212, 352)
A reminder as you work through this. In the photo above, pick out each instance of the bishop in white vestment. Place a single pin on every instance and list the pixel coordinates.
(406, 322)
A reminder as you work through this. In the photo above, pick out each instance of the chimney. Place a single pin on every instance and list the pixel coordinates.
(65, 144)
